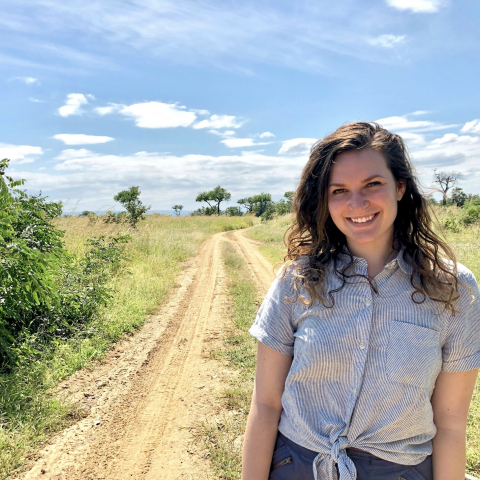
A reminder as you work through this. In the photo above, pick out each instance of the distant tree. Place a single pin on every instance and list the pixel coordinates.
(282, 207)
(473, 199)
(178, 209)
(86, 213)
(445, 181)
(458, 197)
(132, 204)
(261, 201)
(233, 211)
(216, 196)
(247, 203)
(204, 211)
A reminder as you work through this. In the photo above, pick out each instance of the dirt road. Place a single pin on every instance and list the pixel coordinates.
(156, 386)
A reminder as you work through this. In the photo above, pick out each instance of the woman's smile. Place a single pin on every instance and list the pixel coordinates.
(363, 221)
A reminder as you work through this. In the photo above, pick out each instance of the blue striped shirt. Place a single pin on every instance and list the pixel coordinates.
(363, 372)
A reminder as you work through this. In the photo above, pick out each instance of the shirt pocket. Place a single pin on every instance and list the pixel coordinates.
(414, 354)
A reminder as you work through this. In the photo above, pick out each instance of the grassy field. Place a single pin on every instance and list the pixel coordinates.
(224, 438)
(466, 244)
(29, 410)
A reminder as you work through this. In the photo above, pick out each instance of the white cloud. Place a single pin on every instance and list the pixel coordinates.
(297, 146)
(111, 108)
(35, 100)
(403, 123)
(27, 80)
(152, 114)
(82, 173)
(73, 105)
(417, 6)
(219, 121)
(266, 135)
(472, 127)
(241, 142)
(200, 112)
(386, 41)
(81, 139)
(19, 153)
(226, 133)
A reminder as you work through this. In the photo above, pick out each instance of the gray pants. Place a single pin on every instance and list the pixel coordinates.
(293, 462)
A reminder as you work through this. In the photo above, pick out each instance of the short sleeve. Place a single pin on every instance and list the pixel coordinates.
(461, 350)
(273, 325)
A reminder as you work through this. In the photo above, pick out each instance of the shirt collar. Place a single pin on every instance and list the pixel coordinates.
(344, 258)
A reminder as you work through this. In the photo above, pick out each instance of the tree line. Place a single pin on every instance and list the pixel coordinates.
(260, 205)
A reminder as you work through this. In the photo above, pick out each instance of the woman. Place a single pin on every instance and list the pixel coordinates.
(369, 341)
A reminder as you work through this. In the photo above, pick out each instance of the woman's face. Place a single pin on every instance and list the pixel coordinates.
(362, 198)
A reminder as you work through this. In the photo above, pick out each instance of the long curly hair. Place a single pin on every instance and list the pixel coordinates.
(314, 235)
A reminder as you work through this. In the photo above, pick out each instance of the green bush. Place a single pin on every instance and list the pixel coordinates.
(45, 292)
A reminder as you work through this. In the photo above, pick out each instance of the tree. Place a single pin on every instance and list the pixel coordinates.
(246, 203)
(132, 204)
(217, 195)
(458, 196)
(178, 209)
(261, 201)
(445, 181)
(233, 211)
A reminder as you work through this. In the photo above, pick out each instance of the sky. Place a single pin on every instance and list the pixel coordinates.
(179, 96)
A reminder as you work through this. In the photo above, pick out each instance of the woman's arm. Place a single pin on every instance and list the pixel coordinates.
(262, 423)
(450, 401)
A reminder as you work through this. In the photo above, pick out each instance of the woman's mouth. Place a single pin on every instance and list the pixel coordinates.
(365, 220)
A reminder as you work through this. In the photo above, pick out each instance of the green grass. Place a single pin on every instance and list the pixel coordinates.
(466, 244)
(30, 411)
(224, 437)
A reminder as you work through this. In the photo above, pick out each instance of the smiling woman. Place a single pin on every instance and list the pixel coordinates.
(369, 340)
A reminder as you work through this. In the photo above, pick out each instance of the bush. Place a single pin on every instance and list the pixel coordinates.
(233, 212)
(45, 292)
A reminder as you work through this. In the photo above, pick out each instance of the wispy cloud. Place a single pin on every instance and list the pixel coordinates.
(26, 80)
(219, 121)
(73, 105)
(158, 115)
(387, 40)
(81, 139)
(417, 6)
(241, 142)
(403, 122)
(19, 153)
(266, 135)
(301, 37)
(472, 127)
(297, 146)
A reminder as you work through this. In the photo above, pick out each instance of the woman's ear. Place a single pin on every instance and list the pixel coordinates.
(401, 187)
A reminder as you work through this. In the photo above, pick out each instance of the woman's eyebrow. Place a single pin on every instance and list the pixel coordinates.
(363, 181)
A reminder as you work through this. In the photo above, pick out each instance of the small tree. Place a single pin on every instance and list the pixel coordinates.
(178, 209)
(233, 212)
(458, 197)
(132, 204)
(247, 203)
(445, 181)
(216, 196)
(261, 201)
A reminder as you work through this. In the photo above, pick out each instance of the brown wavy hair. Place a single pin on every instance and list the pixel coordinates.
(314, 235)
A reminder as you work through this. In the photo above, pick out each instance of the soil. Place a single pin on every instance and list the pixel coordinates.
(145, 400)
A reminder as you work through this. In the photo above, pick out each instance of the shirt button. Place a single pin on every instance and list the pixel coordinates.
(362, 345)
(354, 391)
(368, 302)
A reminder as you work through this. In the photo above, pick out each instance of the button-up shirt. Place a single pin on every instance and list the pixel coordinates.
(363, 372)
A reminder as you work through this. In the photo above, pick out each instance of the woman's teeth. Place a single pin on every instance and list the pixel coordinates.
(362, 219)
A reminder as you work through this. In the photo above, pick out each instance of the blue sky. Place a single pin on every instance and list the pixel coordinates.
(180, 96)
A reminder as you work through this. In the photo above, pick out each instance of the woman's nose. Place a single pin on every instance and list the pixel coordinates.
(358, 201)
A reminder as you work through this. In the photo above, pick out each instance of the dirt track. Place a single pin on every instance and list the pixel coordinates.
(156, 386)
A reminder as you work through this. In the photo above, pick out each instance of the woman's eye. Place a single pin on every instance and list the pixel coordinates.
(338, 190)
(373, 184)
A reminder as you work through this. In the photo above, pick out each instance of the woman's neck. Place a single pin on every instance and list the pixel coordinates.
(377, 256)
